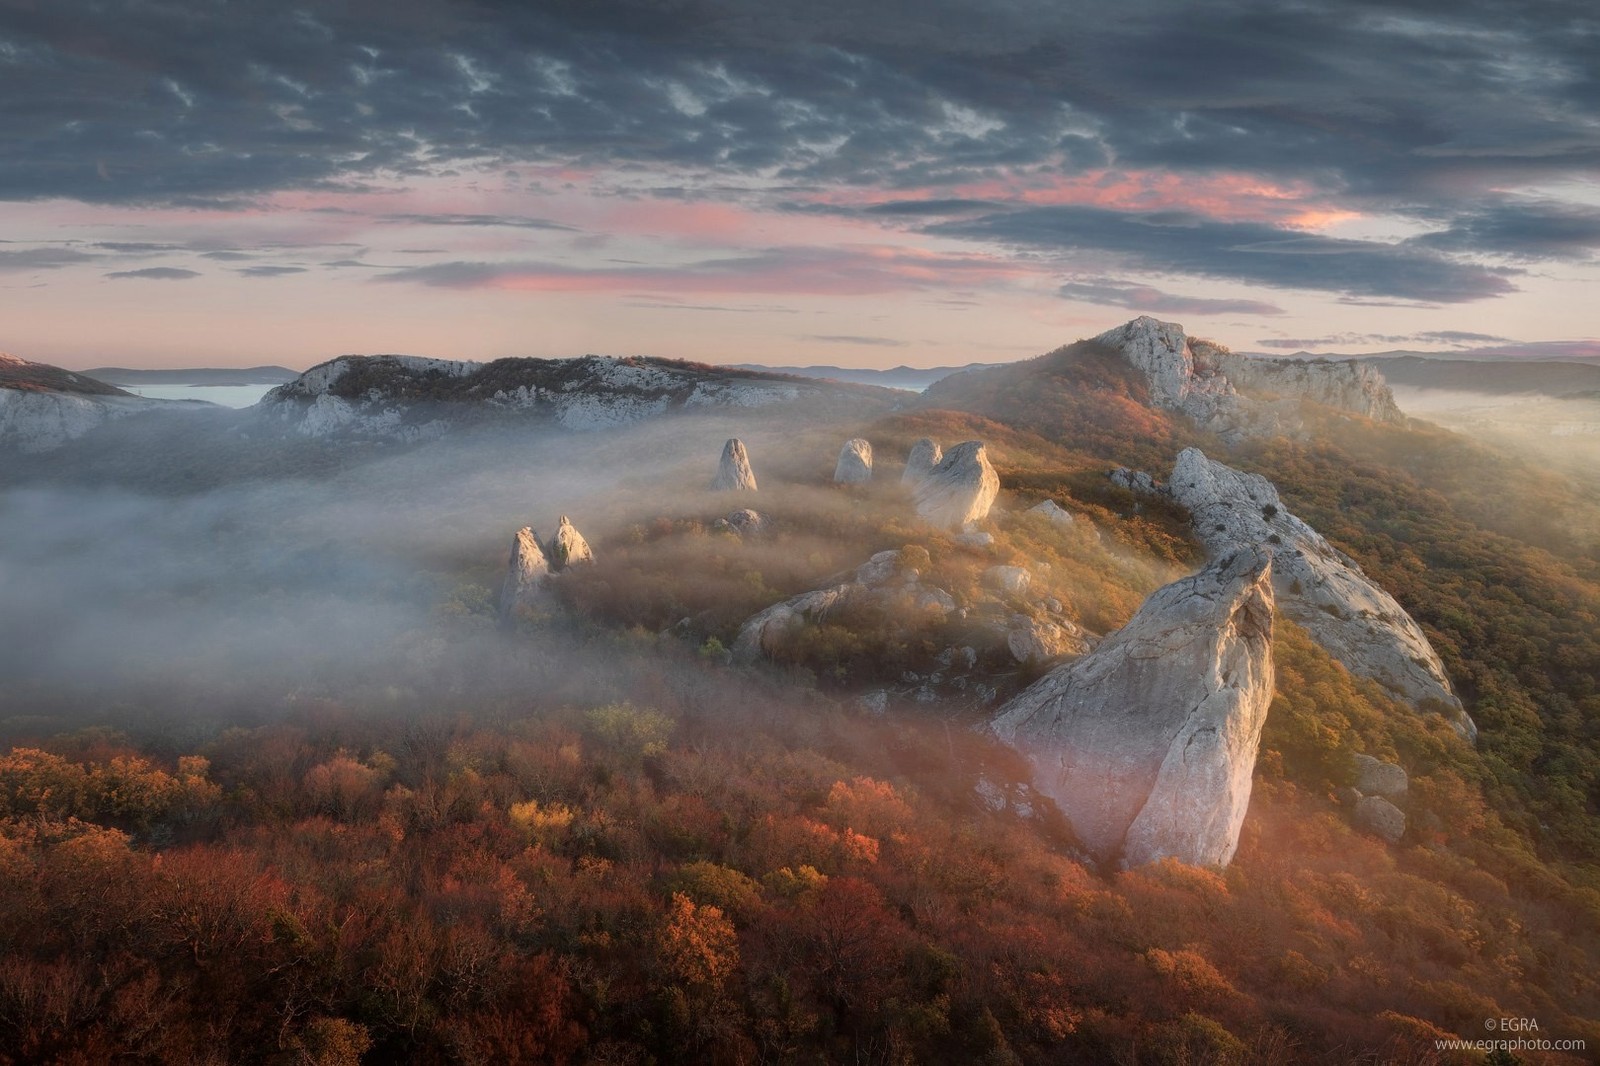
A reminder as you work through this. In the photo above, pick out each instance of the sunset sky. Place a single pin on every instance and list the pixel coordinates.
(865, 184)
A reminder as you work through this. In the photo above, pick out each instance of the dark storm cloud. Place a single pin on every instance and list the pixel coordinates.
(1251, 252)
(1380, 107)
(1537, 230)
(1115, 293)
(156, 274)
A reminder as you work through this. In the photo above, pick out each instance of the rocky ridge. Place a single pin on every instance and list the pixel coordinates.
(1319, 587)
(43, 407)
(1148, 743)
(406, 398)
(1237, 395)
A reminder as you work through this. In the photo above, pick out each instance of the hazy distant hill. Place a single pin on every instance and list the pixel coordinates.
(254, 375)
(1504, 377)
(910, 378)
(41, 377)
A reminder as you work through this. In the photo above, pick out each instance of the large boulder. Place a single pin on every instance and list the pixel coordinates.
(567, 548)
(960, 489)
(925, 455)
(1054, 512)
(1319, 587)
(526, 572)
(855, 463)
(1147, 743)
(1381, 818)
(733, 472)
(1374, 777)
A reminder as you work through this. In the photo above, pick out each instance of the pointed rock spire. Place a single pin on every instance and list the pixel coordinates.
(733, 472)
(855, 463)
(925, 455)
(567, 548)
(525, 573)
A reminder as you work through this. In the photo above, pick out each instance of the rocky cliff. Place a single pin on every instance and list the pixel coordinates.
(404, 398)
(1319, 587)
(43, 407)
(1147, 744)
(1239, 395)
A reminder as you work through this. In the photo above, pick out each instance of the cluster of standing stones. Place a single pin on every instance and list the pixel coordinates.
(534, 561)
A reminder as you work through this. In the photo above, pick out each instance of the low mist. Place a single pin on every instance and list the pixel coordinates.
(374, 583)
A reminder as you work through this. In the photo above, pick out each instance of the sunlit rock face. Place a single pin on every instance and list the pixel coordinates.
(1147, 743)
(733, 472)
(925, 455)
(1318, 587)
(1238, 395)
(525, 573)
(567, 548)
(961, 488)
(855, 463)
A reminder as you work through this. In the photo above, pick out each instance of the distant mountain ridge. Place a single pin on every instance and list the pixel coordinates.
(409, 398)
(908, 378)
(42, 406)
(253, 375)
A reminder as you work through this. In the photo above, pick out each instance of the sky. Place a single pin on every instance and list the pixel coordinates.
(853, 183)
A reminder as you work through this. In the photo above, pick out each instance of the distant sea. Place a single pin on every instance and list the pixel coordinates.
(226, 395)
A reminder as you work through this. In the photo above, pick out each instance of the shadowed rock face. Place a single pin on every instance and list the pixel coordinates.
(1318, 587)
(525, 574)
(855, 463)
(1147, 743)
(960, 489)
(925, 455)
(567, 548)
(733, 472)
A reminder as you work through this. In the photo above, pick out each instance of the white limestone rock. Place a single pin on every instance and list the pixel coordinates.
(1013, 580)
(1032, 641)
(526, 573)
(1053, 511)
(925, 455)
(1147, 743)
(1374, 777)
(567, 548)
(855, 463)
(747, 523)
(733, 471)
(1381, 818)
(960, 489)
(1238, 395)
(1319, 587)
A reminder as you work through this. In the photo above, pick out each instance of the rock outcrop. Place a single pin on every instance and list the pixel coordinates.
(855, 463)
(526, 573)
(733, 472)
(960, 489)
(1319, 587)
(1380, 818)
(882, 583)
(1054, 512)
(745, 522)
(1238, 395)
(924, 456)
(1374, 777)
(1148, 742)
(567, 548)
